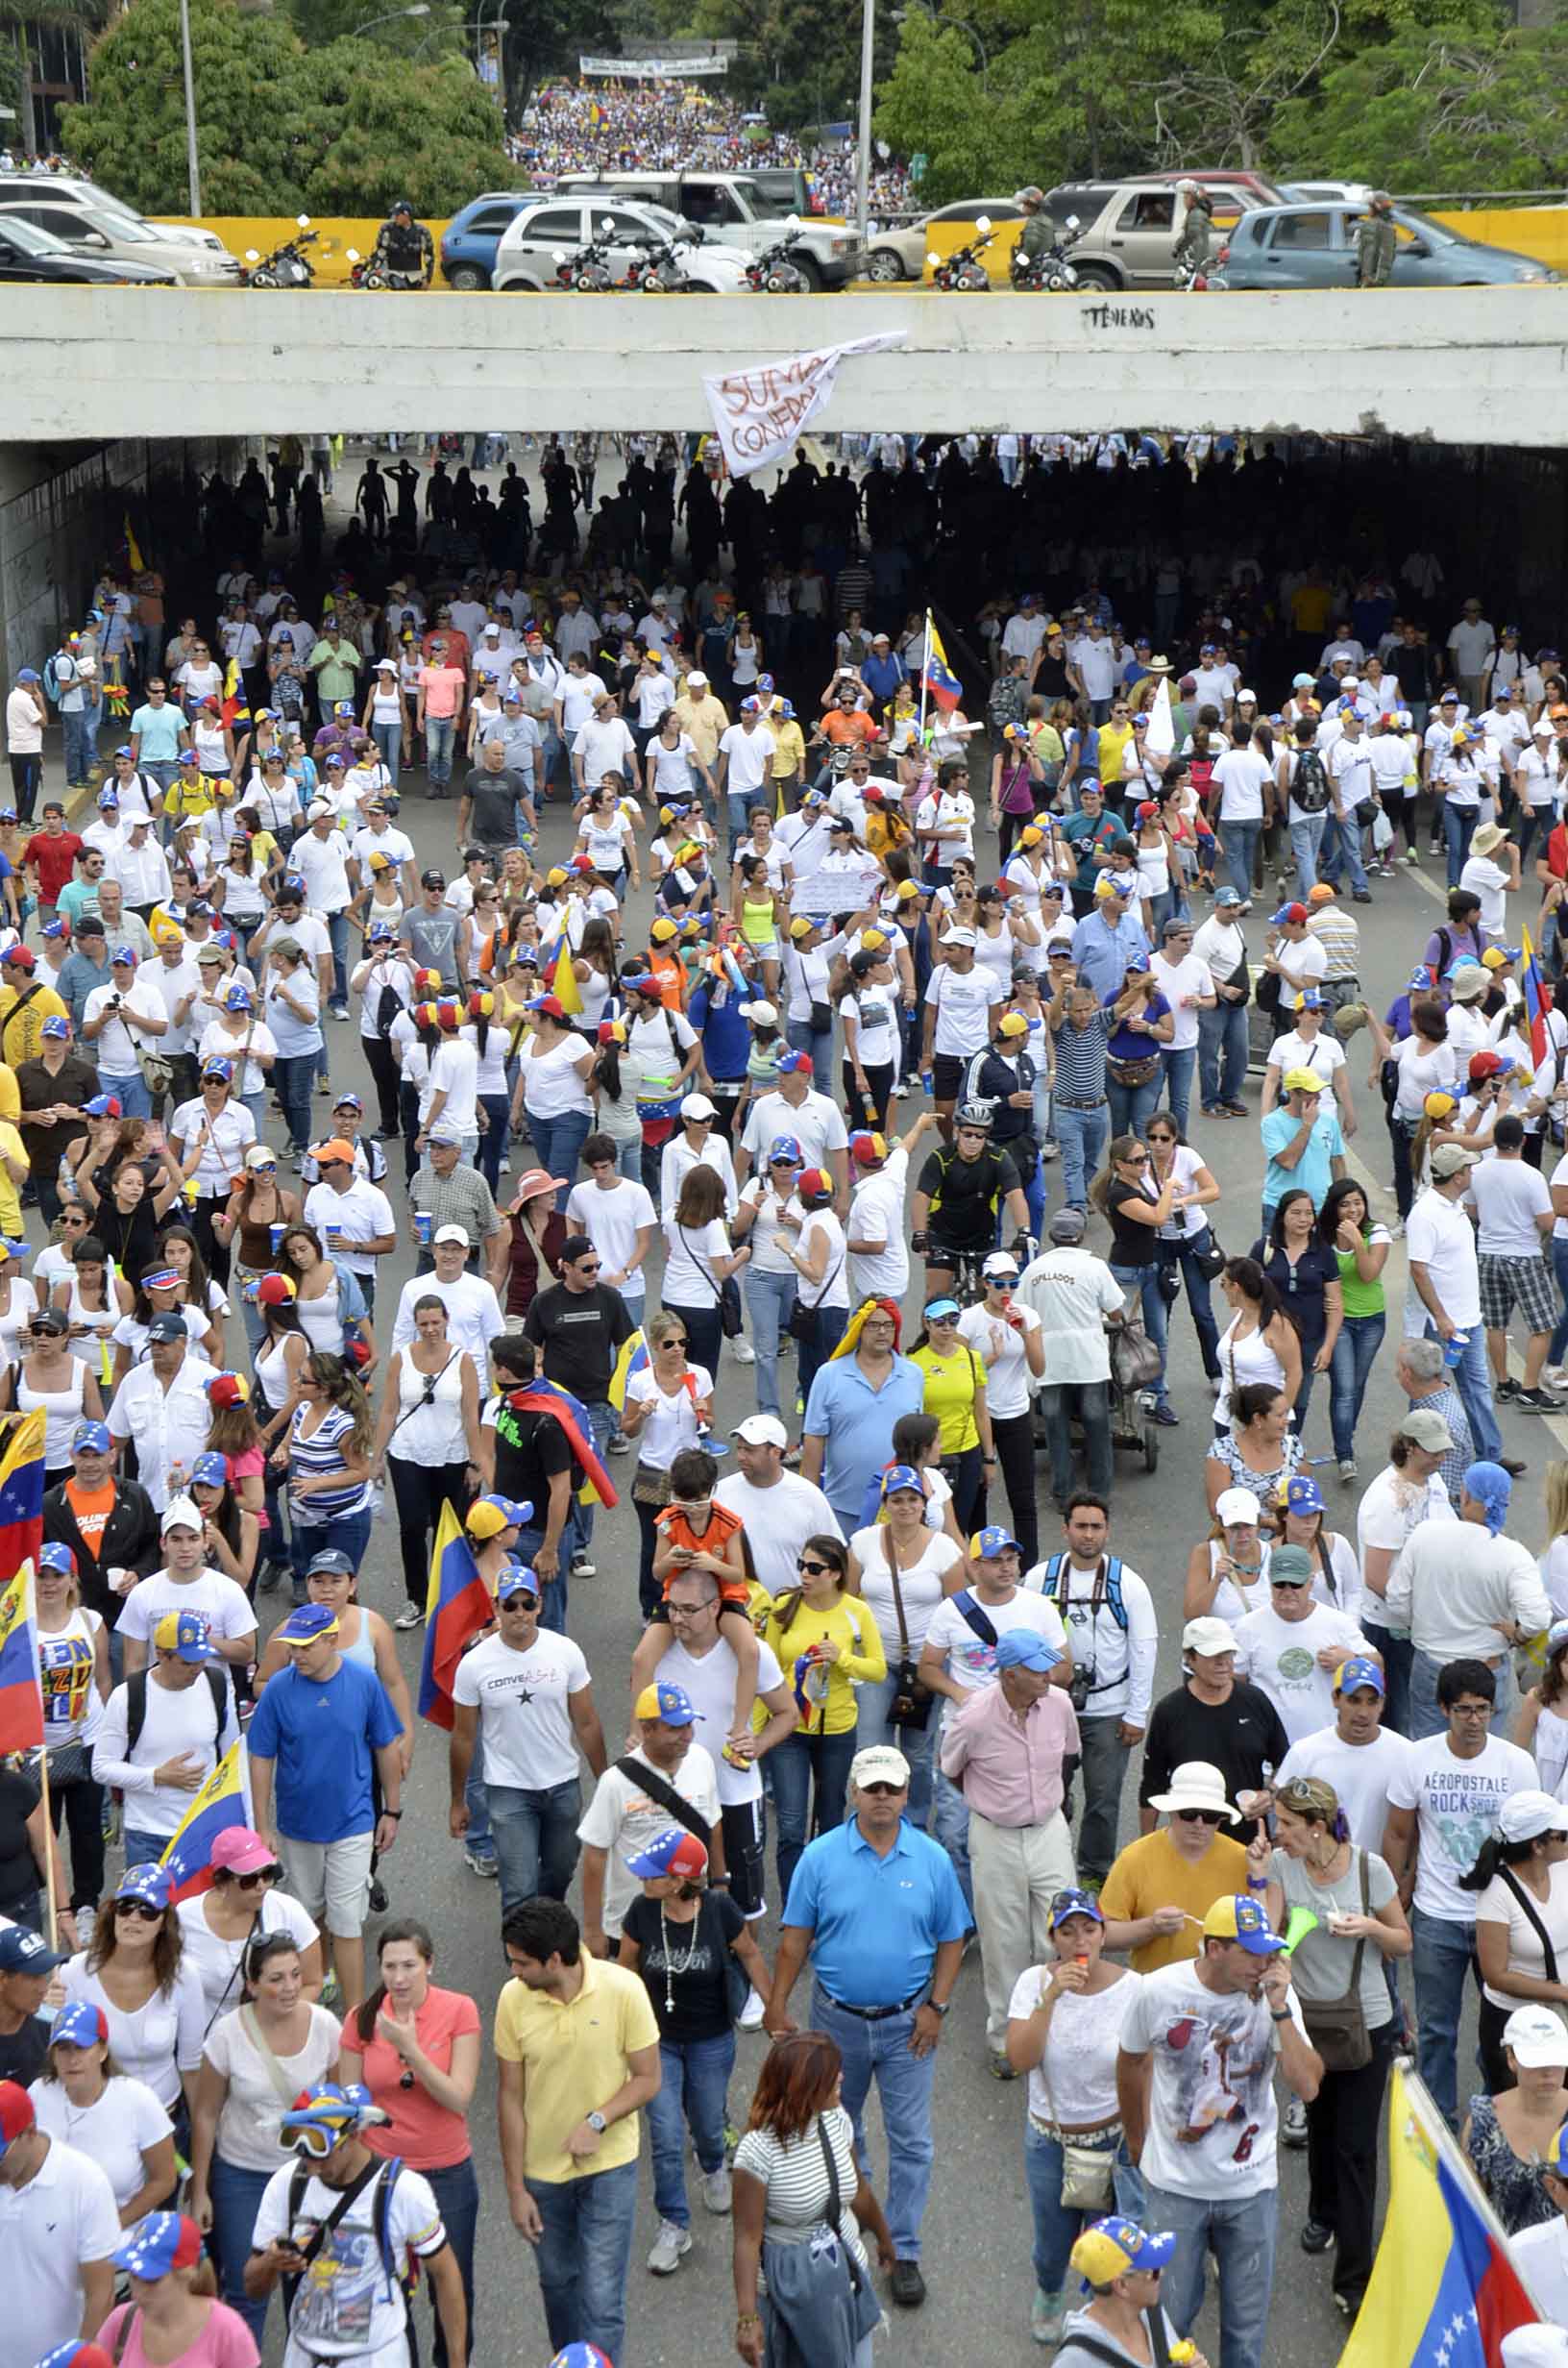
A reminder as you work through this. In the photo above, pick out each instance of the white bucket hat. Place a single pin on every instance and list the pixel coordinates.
(1194, 1784)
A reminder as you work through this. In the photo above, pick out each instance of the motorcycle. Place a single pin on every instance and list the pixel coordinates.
(659, 272)
(1051, 272)
(963, 271)
(586, 271)
(776, 272)
(367, 272)
(1192, 277)
(286, 267)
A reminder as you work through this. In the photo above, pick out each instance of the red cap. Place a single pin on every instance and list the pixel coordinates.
(447, 1015)
(17, 2114)
(22, 955)
(551, 1005)
(813, 1184)
(1485, 1065)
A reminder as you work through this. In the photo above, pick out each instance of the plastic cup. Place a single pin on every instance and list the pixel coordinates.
(424, 1228)
(334, 1239)
(276, 1233)
(1454, 1350)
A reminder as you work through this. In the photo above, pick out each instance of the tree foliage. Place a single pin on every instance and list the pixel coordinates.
(282, 129)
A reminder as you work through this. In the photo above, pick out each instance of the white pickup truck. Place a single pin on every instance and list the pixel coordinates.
(730, 209)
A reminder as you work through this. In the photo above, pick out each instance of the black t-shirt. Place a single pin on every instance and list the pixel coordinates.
(131, 1239)
(24, 2051)
(19, 1876)
(1051, 678)
(493, 811)
(965, 1194)
(531, 1449)
(701, 1990)
(579, 1332)
(1132, 1244)
(1241, 1736)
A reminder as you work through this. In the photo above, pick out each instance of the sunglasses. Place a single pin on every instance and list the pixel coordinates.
(884, 1792)
(253, 1883)
(140, 1907)
(812, 1569)
(1200, 1816)
(1290, 1587)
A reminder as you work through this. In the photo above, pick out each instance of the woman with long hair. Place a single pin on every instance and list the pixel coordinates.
(173, 2312)
(1360, 1930)
(1260, 1451)
(275, 2042)
(327, 1299)
(954, 1392)
(488, 1037)
(554, 1092)
(1260, 1343)
(1507, 2137)
(902, 1565)
(235, 1436)
(291, 1005)
(1542, 1727)
(616, 1099)
(126, 1210)
(698, 1262)
(235, 1034)
(668, 1406)
(81, 2098)
(818, 1253)
(1520, 1880)
(608, 835)
(91, 1297)
(827, 1643)
(1554, 1555)
(280, 1363)
(1360, 1244)
(133, 1969)
(1125, 1193)
(237, 892)
(49, 1376)
(232, 1535)
(428, 1438)
(818, 2305)
(178, 1248)
(1301, 1518)
(1304, 1272)
(258, 1209)
(1186, 1238)
(74, 1670)
(327, 1457)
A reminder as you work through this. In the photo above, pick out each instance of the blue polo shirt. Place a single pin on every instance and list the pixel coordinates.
(856, 1421)
(876, 1923)
(726, 1040)
(321, 1737)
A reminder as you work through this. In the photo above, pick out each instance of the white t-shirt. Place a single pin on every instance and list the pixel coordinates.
(1077, 2077)
(348, 2306)
(216, 1961)
(1439, 1236)
(819, 1228)
(920, 1586)
(112, 2133)
(251, 2120)
(1540, 2256)
(1421, 1074)
(672, 1422)
(1508, 1196)
(1214, 2123)
(526, 1734)
(1322, 1056)
(1358, 1772)
(1498, 1905)
(751, 753)
(778, 1521)
(1177, 980)
(690, 1279)
(63, 2217)
(116, 1046)
(963, 1003)
(1000, 1347)
(1280, 1656)
(816, 1124)
(454, 1071)
(1391, 1508)
(710, 1682)
(1241, 773)
(611, 1220)
(1072, 1292)
(970, 1662)
(876, 1214)
(222, 1603)
(157, 2042)
(1489, 881)
(552, 1085)
(1457, 1804)
(621, 1819)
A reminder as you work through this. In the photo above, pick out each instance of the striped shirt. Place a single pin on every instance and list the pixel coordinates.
(1080, 1059)
(319, 1457)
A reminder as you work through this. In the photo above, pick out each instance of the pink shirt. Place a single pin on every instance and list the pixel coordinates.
(224, 2342)
(428, 2136)
(1008, 1765)
(443, 689)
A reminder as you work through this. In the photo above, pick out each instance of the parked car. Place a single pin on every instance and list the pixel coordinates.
(899, 253)
(1314, 246)
(786, 189)
(733, 207)
(1236, 183)
(1129, 229)
(467, 254)
(27, 252)
(97, 226)
(526, 256)
(1326, 193)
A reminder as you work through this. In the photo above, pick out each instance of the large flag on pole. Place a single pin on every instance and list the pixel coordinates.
(937, 676)
(457, 1607)
(21, 1490)
(21, 1685)
(1162, 733)
(223, 1801)
(1537, 998)
(1443, 2291)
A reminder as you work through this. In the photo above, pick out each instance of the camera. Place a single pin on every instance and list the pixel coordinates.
(1078, 1691)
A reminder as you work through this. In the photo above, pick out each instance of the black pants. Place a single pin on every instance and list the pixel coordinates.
(1015, 1438)
(81, 1805)
(420, 1491)
(215, 1252)
(870, 1108)
(648, 1591)
(408, 1111)
(966, 1477)
(25, 777)
(1343, 2125)
(383, 1067)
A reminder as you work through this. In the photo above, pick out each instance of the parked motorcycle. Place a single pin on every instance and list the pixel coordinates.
(1051, 272)
(371, 273)
(286, 267)
(587, 272)
(776, 272)
(963, 271)
(660, 270)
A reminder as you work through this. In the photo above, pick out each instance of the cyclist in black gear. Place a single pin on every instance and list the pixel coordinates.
(404, 246)
(960, 1190)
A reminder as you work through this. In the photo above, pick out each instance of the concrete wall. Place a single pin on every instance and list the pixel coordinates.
(1466, 366)
(60, 512)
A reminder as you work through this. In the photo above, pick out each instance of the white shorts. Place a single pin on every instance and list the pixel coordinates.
(330, 1880)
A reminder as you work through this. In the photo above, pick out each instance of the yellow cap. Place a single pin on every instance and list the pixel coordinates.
(663, 930)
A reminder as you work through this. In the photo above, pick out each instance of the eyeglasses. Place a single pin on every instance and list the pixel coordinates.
(1200, 1816)
(886, 1792)
(588, 1266)
(813, 1570)
(140, 1907)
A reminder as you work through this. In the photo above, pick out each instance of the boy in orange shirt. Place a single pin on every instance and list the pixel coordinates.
(695, 1534)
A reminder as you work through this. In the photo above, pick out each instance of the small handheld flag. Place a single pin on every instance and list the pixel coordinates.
(937, 677)
(1537, 998)
(456, 1606)
(21, 1686)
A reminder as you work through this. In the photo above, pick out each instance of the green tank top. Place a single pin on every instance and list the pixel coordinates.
(1359, 1298)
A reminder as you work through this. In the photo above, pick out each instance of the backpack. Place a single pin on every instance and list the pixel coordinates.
(1050, 1586)
(1310, 786)
(51, 679)
(135, 1704)
(385, 2175)
(388, 1003)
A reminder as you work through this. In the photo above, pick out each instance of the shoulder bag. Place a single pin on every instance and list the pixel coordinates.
(726, 1294)
(1549, 1955)
(1087, 2169)
(673, 1804)
(867, 2310)
(802, 1322)
(911, 1700)
(1336, 2027)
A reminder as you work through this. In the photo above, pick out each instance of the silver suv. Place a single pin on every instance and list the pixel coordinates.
(98, 226)
(1129, 229)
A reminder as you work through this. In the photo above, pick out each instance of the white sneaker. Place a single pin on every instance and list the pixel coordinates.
(751, 2014)
(716, 2189)
(745, 1353)
(667, 2248)
(409, 1617)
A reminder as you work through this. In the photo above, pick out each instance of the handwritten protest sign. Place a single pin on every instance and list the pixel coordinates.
(758, 413)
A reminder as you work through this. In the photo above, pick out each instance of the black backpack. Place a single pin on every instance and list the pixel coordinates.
(1310, 786)
(135, 1704)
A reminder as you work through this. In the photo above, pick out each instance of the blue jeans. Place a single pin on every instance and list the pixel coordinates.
(349, 1534)
(536, 1839)
(559, 1143)
(1459, 829)
(479, 1840)
(1239, 842)
(337, 929)
(1145, 1281)
(578, 1536)
(1560, 1267)
(584, 2251)
(950, 1826)
(1179, 1067)
(693, 2095)
(768, 1299)
(880, 2052)
(1131, 1106)
(741, 804)
(1443, 1957)
(919, 1744)
(130, 1092)
(1242, 2236)
(388, 738)
(142, 1848)
(1343, 850)
(237, 2199)
(1083, 1135)
(796, 1766)
(79, 745)
(1360, 1337)
(440, 730)
(1222, 1054)
(1427, 1718)
(457, 2191)
(1198, 1296)
(1473, 1380)
(818, 1042)
(1306, 845)
(293, 1074)
(1058, 2228)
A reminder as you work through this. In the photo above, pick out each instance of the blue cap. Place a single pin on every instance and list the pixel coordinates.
(1235, 1917)
(23, 1951)
(941, 1307)
(307, 1622)
(1137, 962)
(671, 1705)
(672, 1851)
(1302, 1494)
(93, 1437)
(785, 1147)
(1309, 1000)
(81, 2024)
(1420, 976)
(147, 1881)
(27, 674)
(107, 798)
(292, 884)
(991, 1541)
(56, 1557)
(381, 933)
(211, 1471)
(789, 1063)
(99, 1106)
(55, 928)
(518, 1579)
(581, 2356)
(1111, 2246)
(901, 1476)
(186, 1634)
(1075, 1902)
(1229, 895)
(218, 1068)
(1358, 1671)
(239, 998)
(124, 954)
(1022, 1648)
(56, 1028)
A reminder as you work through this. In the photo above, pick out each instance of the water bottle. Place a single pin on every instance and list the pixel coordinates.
(176, 1479)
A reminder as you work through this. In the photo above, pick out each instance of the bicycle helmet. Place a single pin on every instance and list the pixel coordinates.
(976, 1114)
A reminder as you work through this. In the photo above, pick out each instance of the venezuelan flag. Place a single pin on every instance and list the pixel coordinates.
(938, 677)
(548, 1397)
(224, 1800)
(21, 1490)
(564, 982)
(633, 1359)
(21, 1688)
(458, 1605)
(1537, 998)
(1443, 2292)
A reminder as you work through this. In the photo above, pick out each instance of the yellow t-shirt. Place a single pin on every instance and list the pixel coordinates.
(861, 1660)
(949, 1394)
(10, 1203)
(11, 1093)
(574, 2060)
(789, 748)
(1152, 1873)
(21, 1037)
(1113, 739)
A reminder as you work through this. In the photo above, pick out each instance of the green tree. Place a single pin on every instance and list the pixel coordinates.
(430, 134)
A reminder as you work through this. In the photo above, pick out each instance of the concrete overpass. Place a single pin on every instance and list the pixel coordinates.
(1471, 367)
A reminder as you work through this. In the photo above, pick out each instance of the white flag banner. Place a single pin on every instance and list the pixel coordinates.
(758, 413)
(1162, 733)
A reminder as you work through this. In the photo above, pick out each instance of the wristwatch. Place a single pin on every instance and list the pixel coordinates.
(596, 2121)
(940, 2006)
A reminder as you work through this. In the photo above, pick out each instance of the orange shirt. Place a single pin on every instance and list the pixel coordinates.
(723, 1524)
(91, 1509)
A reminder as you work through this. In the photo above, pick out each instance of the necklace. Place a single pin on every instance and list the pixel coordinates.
(673, 1964)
